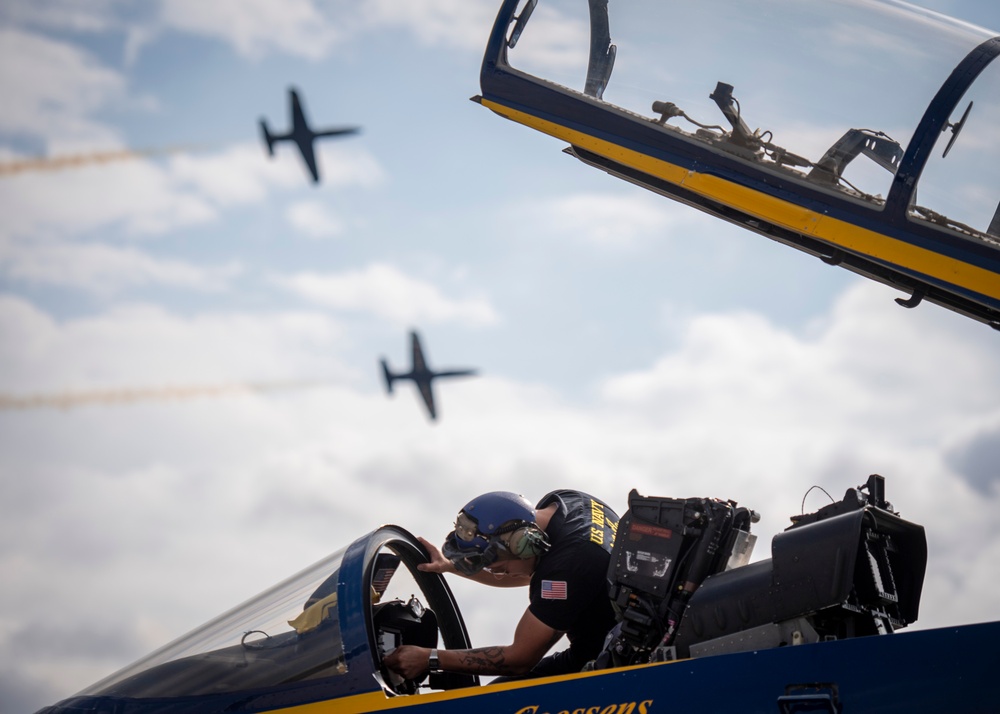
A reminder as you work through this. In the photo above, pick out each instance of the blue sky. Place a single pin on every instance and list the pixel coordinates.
(624, 340)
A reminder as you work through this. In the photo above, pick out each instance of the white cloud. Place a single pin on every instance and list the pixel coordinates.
(236, 175)
(456, 23)
(388, 293)
(95, 16)
(257, 27)
(244, 173)
(313, 30)
(554, 42)
(344, 162)
(148, 346)
(51, 87)
(262, 485)
(139, 195)
(314, 220)
(150, 197)
(146, 198)
(551, 44)
(104, 269)
(732, 367)
(607, 220)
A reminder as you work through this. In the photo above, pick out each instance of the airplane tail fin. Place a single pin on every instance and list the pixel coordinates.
(268, 138)
(388, 377)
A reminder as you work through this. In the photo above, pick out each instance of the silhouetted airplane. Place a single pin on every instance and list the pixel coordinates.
(421, 375)
(302, 135)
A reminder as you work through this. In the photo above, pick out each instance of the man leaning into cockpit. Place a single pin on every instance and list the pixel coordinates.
(561, 550)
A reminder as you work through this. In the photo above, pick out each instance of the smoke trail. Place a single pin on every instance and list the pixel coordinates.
(115, 397)
(74, 161)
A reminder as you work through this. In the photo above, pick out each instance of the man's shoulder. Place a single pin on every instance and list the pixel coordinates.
(581, 522)
(574, 555)
(571, 501)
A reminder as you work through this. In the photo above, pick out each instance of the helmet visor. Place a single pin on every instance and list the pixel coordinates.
(469, 558)
(467, 533)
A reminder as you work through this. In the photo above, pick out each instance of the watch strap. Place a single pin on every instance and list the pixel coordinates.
(433, 663)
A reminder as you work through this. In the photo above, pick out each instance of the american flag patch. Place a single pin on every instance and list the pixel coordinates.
(553, 589)
(381, 579)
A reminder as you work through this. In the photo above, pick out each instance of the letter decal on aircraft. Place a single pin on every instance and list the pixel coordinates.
(634, 707)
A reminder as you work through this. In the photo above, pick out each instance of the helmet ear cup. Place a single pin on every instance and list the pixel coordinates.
(527, 542)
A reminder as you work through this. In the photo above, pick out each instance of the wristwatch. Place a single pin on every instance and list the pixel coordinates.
(433, 663)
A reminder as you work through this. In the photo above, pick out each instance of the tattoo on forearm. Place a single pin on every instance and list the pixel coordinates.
(485, 660)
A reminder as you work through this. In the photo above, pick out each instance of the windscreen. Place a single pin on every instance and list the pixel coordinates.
(290, 633)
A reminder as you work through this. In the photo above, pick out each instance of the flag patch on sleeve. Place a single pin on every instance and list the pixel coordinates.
(553, 589)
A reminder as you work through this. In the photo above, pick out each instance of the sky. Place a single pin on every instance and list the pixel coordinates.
(623, 340)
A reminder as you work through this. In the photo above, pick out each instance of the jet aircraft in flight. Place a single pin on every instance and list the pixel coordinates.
(302, 134)
(421, 375)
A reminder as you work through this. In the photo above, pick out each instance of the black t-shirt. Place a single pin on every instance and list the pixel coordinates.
(569, 590)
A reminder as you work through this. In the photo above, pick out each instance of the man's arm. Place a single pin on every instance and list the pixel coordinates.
(532, 639)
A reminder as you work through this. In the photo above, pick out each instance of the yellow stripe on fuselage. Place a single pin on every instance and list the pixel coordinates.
(377, 701)
(368, 702)
(775, 210)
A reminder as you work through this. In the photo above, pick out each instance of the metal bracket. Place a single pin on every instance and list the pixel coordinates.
(915, 299)
(836, 257)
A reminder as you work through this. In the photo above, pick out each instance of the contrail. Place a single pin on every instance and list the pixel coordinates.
(114, 397)
(74, 161)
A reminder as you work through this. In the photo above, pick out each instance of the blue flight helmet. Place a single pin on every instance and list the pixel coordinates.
(494, 524)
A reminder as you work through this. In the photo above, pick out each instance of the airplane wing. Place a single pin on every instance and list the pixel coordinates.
(306, 148)
(298, 116)
(457, 373)
(418, 354)
(303, 135)
(428, 395)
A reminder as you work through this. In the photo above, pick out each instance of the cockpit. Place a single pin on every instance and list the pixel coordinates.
(322, 632)
(679, 578)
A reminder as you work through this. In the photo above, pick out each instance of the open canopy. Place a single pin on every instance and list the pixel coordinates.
(861, 131)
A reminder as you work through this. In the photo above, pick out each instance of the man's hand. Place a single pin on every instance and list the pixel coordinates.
(409, 661)
(532, 639)
(438, 563)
